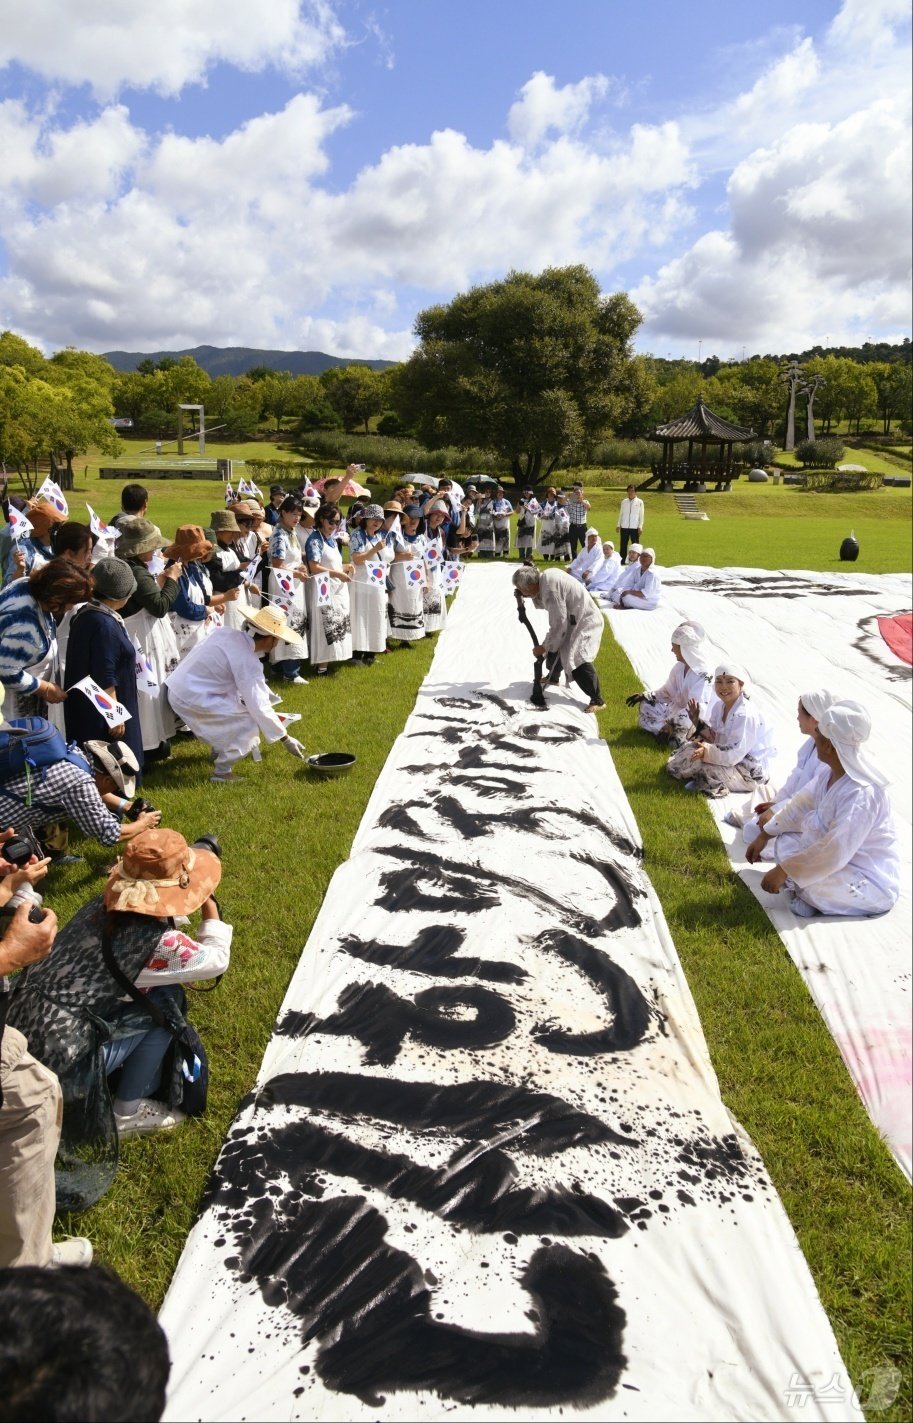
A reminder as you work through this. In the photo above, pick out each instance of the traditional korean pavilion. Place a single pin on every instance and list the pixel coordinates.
(708, 458)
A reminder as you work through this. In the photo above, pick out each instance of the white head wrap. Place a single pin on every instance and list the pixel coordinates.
(651, 553)
(731, 669)
(636, 549)
(688, 637)
(816, 703)
(608, 544)
(847, 725)
(592, 533)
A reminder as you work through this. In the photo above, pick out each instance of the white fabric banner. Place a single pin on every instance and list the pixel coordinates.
(795, 632)
(486, 1171)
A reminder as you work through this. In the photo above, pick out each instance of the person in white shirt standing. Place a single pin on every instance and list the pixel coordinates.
(630, 520)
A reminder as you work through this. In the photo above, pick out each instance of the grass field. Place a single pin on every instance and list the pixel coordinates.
(284, 834)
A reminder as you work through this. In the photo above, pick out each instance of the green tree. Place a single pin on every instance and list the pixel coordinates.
(15, 351)
(84, 418)
(532, 367)
(277, 395)
(894, 390)
(355, 393)
(751, 394)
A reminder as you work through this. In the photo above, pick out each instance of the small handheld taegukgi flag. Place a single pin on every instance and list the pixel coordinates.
(324, 595)
(20, 526)
(146, 680)
(52, 494)
(109, 708)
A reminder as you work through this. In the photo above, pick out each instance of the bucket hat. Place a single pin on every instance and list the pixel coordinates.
(161, 875)
(138, 537)
(190, 542)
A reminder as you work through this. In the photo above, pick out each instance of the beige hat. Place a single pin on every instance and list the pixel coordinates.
(269, 621)
(136, 537)
(223, 521)
(392, 506)
(160, 874)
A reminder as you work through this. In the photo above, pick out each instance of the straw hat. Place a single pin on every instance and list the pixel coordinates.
(38, 508)
(269, 621)
(223, 521)
(136, 537)
(190, 542)
(393, 506)
(161, 875)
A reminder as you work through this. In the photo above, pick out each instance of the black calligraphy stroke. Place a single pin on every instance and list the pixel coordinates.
(472, 824)
(534, 1122)
(468, 887)
(370, 1309)
(382, 1021)
(629, 1009)
(433, 951)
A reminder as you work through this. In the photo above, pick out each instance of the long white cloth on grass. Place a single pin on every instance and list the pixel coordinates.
(486, 1172)
(795, 632)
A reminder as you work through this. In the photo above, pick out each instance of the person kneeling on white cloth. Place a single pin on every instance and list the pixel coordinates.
(807, 767)
(836, 846)
(664, 713)
(640, 587)
(589, 560)
(608, 573)
(574, 626)
(220, 693)
(733, 747)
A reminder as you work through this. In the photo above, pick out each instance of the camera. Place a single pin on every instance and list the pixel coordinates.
(208, 842)
(137, 808)
(20, 849)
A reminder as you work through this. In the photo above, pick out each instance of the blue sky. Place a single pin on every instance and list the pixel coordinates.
(309, 174)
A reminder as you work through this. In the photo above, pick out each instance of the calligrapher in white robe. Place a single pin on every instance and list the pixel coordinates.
(575, 623)
(220, 693)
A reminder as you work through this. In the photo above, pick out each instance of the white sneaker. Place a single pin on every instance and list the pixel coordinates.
(75, 1250)
(298, 681)
(149, 1116)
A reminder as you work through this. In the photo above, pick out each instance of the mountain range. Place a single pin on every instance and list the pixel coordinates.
(236, 360)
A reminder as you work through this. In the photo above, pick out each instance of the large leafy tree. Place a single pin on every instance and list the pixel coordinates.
(533, 367)
(52, 409)
(355, 393)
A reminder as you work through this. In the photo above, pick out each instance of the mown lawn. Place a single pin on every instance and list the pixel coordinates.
(284, 834)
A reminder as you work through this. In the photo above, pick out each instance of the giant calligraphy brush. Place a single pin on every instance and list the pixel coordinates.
(537, 696)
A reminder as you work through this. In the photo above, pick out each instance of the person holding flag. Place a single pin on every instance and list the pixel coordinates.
(329, 623)
(434, 603)
(369, 555)
(146, 619)
(25, 545)
(406, 609)
(287, 578)
(101, 648)
(29, 609)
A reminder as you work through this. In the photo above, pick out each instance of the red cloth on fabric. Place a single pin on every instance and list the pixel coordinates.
(897, 632)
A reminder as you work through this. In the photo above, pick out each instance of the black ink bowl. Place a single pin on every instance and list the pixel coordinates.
(331, 763)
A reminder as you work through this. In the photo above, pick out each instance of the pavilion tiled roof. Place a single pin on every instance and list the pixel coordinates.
(700, 423)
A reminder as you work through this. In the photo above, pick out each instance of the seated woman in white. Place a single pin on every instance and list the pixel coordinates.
(640, 588)
(609, 572)
(733, 746)
(664, 713)
(589, 560)
(811, 706)
(836, 847)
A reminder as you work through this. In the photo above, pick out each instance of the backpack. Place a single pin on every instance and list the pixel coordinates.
(30, 743)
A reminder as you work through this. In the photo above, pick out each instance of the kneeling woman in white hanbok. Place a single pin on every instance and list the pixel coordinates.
(664, 713)
(407, 578)
(835, 843)
(369, 555)
(220, 693)
(811, 706)
(287, 577)
(329, 616)
(733, 747)
(434, 601)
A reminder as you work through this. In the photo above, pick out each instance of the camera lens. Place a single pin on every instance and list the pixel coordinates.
(17, 852)
(208, 842)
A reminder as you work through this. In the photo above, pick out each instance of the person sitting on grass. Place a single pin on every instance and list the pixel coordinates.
(664, 713)
(641, 586)
(108, 999)
(589, 560)
(733, 747)
(220, 693)
(575, 627)
(608, 574)
(834, 842)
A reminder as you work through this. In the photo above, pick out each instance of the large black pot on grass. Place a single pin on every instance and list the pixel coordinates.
(849, 549)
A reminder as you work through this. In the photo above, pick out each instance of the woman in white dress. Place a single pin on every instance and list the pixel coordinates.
(329, 616)
(528, 510)
(501, 510)
(146, 619)
(562, 544)
(406, 608)
(664, 713)
(287, 577)
(812, 706)
(434, 602)
(485, 527)
(733, 747)
(545, 540)
(369, 556)
(192, 613)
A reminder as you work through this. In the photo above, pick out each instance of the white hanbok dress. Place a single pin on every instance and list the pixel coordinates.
(668, 714)
(737, 754)
(368, 593)
(587, 564)
(604, 580)
(501, 510)
(640, 580)
(329, 624)
(434, 601)
(486, 527)
(406, 608)
(802, 774)
(562, 544)
(839, 847)
(527, 527)
(287, 591)
(196, 587)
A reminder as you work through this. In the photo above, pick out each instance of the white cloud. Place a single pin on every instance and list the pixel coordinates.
(819, 241)
(163, 45)
(543, 109)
